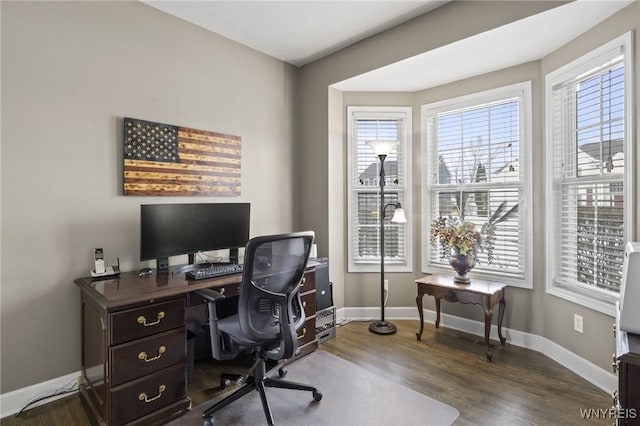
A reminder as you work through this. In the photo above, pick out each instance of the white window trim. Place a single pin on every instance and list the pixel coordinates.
(522, 89)
(407, 205)
(596, 299)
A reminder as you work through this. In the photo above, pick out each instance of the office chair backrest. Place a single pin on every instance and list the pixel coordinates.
(269, 308)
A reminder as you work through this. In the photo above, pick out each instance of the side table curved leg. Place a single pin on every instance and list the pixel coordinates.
(488, 314)
(501, 307)
(421, 314)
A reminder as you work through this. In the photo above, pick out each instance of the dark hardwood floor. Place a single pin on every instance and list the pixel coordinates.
(520, 387)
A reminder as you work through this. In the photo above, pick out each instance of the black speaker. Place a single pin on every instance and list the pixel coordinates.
(324, 293)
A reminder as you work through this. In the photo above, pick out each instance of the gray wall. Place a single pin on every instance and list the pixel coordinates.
(70, 72)
(531, 311)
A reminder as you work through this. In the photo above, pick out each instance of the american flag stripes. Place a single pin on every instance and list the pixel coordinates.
(161, 159)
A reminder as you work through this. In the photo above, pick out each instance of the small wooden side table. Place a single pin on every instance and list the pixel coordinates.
(477, 292)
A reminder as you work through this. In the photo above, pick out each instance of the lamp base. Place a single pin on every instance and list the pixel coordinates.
(382, 327)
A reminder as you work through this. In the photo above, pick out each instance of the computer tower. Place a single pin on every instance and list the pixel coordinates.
(326, 324)
(324, 291)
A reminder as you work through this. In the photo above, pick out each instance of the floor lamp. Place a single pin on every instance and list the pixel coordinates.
(382, 149)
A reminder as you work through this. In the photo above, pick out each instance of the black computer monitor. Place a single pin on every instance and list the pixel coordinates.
(177, 229)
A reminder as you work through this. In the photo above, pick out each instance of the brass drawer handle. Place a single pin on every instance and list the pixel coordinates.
(221, 291)
(143, 320)
(142, 356)
(304, 280)
(615, 364)
(304, 331)
(304, 304)
(143, 396)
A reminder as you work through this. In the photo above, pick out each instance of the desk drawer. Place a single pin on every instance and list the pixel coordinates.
(308, 282)
(309, 303)
(149, 394)
(147, 320)
(307, 332)
(228, 290)
(145, 356)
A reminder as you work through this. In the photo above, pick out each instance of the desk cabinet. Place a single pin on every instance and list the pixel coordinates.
(134, 343)
(307, 341)
(626, 400)
(133, 361)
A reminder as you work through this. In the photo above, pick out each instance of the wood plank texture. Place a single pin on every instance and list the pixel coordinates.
(521, 387)
(161, 159)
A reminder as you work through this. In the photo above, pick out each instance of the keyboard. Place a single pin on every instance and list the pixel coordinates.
(214, 270)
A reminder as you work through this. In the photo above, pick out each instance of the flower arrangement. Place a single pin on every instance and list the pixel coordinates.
(461, 236)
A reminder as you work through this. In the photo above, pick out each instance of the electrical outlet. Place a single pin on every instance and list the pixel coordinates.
(577, 323)
(386, 286)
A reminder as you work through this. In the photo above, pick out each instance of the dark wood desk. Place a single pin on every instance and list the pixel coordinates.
(134, 343)
(478, 292)
(626, 363)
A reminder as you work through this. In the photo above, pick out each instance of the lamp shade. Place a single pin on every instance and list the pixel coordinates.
(382, 147)
(398, 215)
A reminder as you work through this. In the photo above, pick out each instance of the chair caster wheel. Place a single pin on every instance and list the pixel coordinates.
(282, 372)
(208, 421)
(225, 383)
(317, 396)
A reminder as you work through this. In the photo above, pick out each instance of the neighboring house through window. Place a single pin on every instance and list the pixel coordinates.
(378, 123)
(589, 158)
(476, 165)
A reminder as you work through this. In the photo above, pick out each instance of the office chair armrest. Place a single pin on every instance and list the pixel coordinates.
(210, 295)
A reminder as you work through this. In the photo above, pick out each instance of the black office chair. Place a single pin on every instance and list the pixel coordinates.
(269, 312)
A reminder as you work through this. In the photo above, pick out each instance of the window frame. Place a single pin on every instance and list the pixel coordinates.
(600, 300)
(523, 91)
(382, 112)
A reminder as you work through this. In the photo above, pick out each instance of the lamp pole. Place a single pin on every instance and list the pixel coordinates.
(382, 148)
(382, 326)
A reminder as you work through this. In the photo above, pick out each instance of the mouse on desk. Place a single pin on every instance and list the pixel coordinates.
(145, 272)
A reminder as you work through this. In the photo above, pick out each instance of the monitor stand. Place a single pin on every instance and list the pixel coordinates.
(234, 255)
(162, 263)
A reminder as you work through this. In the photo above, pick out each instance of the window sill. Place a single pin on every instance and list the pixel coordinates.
(583, 299)
(376, 268)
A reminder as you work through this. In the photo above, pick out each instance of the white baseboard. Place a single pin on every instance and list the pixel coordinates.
(12, 402)
(587, 370)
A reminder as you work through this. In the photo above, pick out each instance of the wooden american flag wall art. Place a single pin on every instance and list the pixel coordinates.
(163, 159)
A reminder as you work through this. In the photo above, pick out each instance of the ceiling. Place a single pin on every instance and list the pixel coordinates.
(516, 43)
(301, 31)
(296, 31)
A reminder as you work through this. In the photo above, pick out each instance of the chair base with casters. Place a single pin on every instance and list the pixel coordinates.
(269, 314)
(259, 381)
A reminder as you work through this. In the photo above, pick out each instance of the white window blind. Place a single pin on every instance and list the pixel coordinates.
(476, 168)
(366, 124)
(589, 140)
